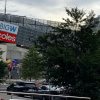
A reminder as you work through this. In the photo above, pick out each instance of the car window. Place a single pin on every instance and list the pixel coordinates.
(15, 84)
(39, 88)
(44, 88)
(30, 85)
(21, 84)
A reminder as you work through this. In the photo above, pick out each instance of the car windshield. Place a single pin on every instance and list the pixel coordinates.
(54, 88)
(29, 84)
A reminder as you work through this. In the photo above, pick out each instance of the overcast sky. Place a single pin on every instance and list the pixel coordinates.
(47, 9)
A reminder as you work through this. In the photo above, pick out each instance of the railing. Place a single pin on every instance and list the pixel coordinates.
(23, 20)
(49, 95)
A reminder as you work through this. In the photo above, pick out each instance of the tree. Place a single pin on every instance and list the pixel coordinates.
(2, 67)
(32, 64)
(75, 47)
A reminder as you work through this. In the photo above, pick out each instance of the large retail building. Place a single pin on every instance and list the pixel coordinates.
(17, 34)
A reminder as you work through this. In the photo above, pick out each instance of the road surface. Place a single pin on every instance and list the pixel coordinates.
(8, 97)
(3, 87)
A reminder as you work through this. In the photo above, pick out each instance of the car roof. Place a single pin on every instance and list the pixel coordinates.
(24, 82)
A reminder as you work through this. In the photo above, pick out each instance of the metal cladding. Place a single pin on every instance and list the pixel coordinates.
(29, 29)
(25, 36)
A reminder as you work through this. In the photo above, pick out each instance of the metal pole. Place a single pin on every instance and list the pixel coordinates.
(11, 96)
(5, 6)
(52, 98)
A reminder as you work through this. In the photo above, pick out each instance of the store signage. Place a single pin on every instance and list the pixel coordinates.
(7, 27)
(7, 37)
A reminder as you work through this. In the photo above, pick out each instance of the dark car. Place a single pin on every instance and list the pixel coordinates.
(21, 86)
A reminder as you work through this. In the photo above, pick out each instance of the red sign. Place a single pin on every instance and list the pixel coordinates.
(7, 37)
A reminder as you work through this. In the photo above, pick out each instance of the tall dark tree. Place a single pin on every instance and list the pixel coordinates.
(74, 47)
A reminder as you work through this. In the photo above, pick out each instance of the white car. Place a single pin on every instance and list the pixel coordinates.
(50, 88)
(47, 89)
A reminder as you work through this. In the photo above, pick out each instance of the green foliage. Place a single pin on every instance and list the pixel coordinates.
(2, 67)
(75, 47)
(1, 52)
(32, 64)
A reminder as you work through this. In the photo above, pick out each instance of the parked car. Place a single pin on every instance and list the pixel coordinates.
(47, 89)
(21, 86)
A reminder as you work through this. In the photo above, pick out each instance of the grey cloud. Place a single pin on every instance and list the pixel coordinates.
(13, 11)
(81, 2)
(44, 6)
(47, 8)
(37, 2)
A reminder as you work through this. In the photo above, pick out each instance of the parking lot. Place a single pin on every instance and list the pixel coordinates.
(41, 92)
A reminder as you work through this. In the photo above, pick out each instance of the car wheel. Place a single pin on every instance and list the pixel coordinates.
(8, 93)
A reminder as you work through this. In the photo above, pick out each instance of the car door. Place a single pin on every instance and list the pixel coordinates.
(10, 88)
(41, 90)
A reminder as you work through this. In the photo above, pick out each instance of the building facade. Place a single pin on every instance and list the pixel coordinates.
(16, 36)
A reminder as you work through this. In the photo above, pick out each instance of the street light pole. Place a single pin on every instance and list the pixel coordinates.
(5, 6)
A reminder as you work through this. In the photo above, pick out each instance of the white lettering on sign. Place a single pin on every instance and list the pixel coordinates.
(7, 37)
(10, 28)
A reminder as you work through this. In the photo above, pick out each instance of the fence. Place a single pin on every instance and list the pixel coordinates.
(52, 96)
(23, 20)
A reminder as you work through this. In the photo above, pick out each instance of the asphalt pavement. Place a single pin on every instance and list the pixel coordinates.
(8, 97)
(3, 87)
